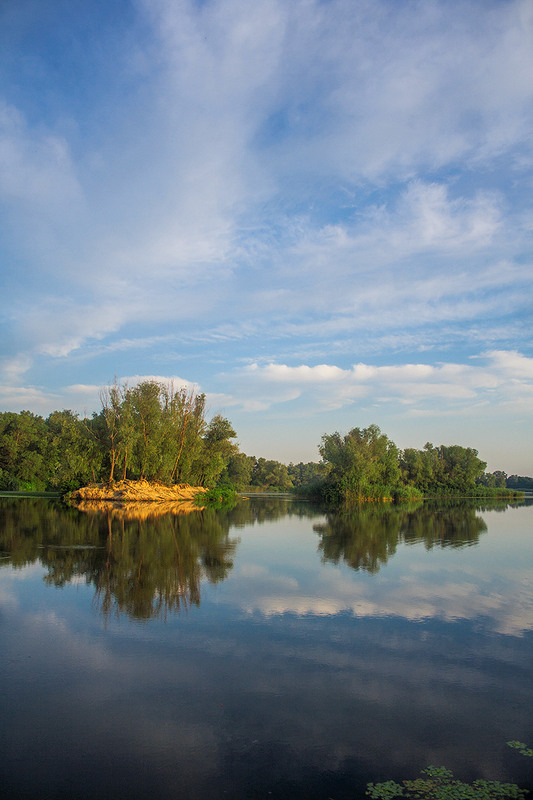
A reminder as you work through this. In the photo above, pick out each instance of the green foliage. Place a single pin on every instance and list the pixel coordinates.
(493, 480)
(520, 482)
(270, 476)
(363, 464)
(74, 457)
(438, 783)
(522, 748)
(216, 451)
(307, 475)
(23, 451)
(407, 493)
(156, 432)
(217, 497)
(150, 431)
(238, 471)
(442, 470)
(495, 492)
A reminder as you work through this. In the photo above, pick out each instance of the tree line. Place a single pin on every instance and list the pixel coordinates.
(366, 464)
(151, 431)
(161, 433)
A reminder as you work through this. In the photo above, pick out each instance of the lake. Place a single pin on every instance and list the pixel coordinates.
(272, 651)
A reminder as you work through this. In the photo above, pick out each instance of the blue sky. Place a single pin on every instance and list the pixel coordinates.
(317, 212)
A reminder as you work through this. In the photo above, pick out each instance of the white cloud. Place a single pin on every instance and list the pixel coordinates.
(178, 199)
(503, 378)
(177, 382)
(14, 367)
(438, 78)
(303, 374)
(514, 365)
(30, 398)
(429, 219)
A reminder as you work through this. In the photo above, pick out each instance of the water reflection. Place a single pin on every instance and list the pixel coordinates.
(144, 560)
(270, 509)
(366, 537)
(147, 565)
(296, 678)
(143, 567)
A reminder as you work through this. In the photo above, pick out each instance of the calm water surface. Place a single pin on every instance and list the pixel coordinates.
(273, 651)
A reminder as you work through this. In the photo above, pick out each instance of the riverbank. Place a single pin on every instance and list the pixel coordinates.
(140, 491)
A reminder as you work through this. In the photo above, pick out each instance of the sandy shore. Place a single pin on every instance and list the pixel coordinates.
(128, 492)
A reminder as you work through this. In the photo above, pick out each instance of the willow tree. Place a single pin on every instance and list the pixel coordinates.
(110, 427)
(185, 414)
(216, 452)
(146, 403)
(158, 432)
(363, 463)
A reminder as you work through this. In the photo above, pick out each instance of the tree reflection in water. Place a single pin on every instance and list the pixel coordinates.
(155, 566)
(367, 535)
(146, 563)
(143, 567)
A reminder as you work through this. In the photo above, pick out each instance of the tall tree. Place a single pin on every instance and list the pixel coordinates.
(270, 475)
(73, 456)
(153, 431)
(23, 450)
(216, 451)
(146, 401)
(363, 463)
(238, 470)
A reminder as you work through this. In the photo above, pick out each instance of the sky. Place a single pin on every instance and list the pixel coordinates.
(317, 212)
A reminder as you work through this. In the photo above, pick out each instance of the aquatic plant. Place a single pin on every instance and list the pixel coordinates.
(439, 783)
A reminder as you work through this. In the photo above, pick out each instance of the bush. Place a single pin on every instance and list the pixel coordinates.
(406, 493)
(219, 497)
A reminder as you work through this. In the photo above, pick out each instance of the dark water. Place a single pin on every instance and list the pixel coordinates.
(272, 651)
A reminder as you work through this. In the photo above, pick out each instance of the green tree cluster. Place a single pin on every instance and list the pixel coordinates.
(238, 471)
(59, 452)
(441, 470)
(366, 464)
(494, 480)
(150, 430)
(521, 482)
(158, 432)
(269, 475)
(306, 475)
(361, 464)
(248, 473)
